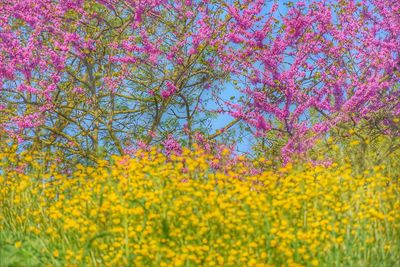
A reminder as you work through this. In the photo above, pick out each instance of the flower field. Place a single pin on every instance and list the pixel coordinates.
(189, 133)
(150, 210)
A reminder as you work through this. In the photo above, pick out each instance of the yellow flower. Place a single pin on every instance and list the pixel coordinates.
(273, 243)
(339, 240)
(18, 244)
(315, 262)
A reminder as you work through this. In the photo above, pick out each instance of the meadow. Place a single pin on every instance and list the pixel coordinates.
(186, 133)
(181, 210)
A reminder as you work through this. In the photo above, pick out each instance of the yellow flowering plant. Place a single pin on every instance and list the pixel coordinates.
(154, 210)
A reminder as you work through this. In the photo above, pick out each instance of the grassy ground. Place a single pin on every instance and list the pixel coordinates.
(153, 212)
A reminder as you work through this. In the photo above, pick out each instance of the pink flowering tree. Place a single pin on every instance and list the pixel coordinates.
(80, 75)
(314, 67)
(84, 75)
